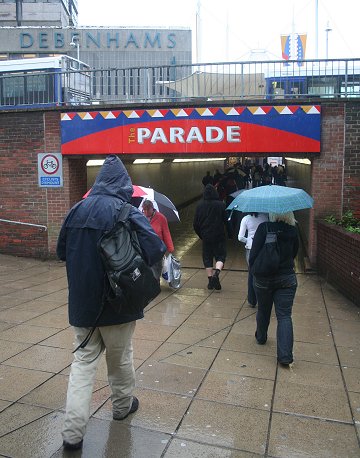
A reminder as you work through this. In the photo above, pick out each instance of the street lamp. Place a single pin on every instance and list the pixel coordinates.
(75, 43)
(327, 30)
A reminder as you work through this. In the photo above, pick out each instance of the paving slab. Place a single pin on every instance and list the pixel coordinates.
(206, 389)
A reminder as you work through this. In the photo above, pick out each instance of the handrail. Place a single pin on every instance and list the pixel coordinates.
(24, 224)
(219, 81)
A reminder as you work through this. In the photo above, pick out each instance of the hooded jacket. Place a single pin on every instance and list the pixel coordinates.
(210, 216)
(77, 245)
(288, 241)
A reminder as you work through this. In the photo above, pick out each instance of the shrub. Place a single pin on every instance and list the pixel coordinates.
(347, 221)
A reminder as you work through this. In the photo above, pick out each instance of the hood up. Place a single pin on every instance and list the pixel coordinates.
(210, 193)
(113, 180)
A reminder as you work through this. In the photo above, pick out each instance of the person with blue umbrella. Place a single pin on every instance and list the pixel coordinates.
(277, 287)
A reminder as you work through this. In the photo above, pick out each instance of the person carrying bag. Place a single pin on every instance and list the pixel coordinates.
(89, 306)
(271, 261)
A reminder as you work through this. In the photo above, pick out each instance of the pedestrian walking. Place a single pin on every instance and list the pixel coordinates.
(280, 288)
(248, 226)
(86, 222)
(207, 179)
(209, 220)
(160, 225)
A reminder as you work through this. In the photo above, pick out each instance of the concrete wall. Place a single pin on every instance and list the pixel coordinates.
(300, 177)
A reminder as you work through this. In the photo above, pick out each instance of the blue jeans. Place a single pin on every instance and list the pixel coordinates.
(278, 290)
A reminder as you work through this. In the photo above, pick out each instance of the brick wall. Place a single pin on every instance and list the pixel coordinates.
(351, 197)
(327, 171)
(22, 136)
(21, 139)
(338, 259)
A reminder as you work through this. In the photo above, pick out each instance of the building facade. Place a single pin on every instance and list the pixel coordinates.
(41, 28)
(60, 13)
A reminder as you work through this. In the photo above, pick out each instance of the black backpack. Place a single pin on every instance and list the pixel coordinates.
(267, 261)
(132, 282)
(129, 281)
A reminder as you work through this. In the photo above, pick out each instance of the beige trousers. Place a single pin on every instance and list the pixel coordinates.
(121, 375)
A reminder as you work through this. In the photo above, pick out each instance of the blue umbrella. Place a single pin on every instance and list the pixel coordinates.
(271, 199)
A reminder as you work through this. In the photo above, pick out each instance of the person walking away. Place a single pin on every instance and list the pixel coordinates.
(280, 288)
(247, 230)
(209, 220)
(86, 222)
(160, 225)
(207, 179)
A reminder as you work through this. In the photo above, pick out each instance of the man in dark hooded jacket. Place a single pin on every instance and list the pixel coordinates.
(77, 245)
(209, 220)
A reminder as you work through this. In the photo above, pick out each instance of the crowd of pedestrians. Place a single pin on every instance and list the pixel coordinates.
(112, 330)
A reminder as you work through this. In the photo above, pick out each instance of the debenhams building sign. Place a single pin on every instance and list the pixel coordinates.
(35, 39)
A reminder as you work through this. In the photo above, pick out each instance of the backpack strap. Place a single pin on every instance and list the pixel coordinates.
(124, 212)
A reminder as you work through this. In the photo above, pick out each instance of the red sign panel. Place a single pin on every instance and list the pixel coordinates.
(268, 129)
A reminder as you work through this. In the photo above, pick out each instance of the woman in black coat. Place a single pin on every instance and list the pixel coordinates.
(280, 287)
(209, 220)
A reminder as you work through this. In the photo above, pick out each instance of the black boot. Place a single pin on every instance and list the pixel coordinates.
(210, 284)
(216, 281)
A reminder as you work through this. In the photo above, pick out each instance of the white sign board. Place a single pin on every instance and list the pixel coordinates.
(50, 170)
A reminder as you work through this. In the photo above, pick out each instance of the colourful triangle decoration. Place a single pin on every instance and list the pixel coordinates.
(155, 113)
(65, 117)
(107, 114)
(204, 112)
(311, 109)
(285, 111)
(179, 112)
(256, 110)
(131, 114)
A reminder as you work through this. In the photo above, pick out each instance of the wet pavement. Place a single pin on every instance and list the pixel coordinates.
(206, 389)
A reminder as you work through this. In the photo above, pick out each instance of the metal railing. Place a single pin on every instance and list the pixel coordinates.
(268, 80)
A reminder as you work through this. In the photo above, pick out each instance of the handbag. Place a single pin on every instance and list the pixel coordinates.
(267, 261)
(172, 271)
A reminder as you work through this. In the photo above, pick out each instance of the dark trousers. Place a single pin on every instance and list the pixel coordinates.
(278, 290)
(251, 291)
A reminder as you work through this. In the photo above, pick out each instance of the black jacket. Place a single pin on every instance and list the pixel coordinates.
(288, 242)
(77, 245)
(210, 216)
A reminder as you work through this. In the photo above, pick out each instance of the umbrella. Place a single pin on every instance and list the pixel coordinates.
(138, 192)
(236, 193)
(161, 203)
(271, 199)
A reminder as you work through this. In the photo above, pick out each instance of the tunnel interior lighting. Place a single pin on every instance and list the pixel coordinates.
(209, 159)
(95, 162)
(300, 161)
(148, 161)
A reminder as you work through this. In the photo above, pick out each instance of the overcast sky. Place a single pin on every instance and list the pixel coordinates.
(231, 29)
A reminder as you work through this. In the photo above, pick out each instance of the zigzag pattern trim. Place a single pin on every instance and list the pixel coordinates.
(206, 112)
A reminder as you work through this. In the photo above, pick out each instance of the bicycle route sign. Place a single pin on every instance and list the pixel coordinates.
(50, 170)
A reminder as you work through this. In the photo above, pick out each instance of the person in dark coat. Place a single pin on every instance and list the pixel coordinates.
(207, 179)
(280, 288)
(86, 222)
(209, 220)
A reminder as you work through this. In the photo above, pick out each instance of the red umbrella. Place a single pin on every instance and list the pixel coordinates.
(138, 192)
